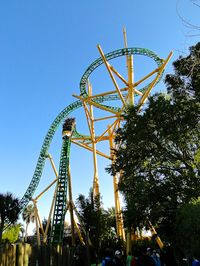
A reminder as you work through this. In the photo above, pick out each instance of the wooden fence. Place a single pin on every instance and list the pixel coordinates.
(27, 255)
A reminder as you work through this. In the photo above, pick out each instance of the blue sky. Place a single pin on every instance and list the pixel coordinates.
(45, 48)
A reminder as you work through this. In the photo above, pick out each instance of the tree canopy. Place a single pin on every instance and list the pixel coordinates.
(9, 210)
(98, 222)
(28, 216)
(187, 226)
(11, 234)
(159, 155)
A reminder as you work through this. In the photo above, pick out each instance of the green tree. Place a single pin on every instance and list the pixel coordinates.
(96, 220)
(158, 153)
(28, 216)
(187, 228)
(9, 210)
(11, 234)
(111, 218)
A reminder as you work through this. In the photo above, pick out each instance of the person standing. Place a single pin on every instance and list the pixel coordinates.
(118, 258)
(129, 259)
(195, 261)
(134, 261)
(108, 260)
(145, 259)
(156, 258)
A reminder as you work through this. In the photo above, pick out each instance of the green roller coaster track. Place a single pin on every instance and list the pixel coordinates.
(61, 195)
(70, 108)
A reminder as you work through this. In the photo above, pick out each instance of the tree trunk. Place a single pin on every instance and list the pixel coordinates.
(25, 238)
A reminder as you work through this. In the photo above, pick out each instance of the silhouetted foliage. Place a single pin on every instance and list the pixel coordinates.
(28, 216)
(159, 155)
(9, 210)
(98, 222)
(187, 226)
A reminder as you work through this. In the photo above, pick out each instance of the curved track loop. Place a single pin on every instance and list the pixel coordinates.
(70, 108)
(114, 54)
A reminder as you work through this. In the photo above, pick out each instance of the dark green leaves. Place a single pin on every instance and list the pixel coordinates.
(158, 153)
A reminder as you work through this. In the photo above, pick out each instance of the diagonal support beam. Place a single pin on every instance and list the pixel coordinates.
(96, 104)
(90, 149)
(111, 75)
(147, 92)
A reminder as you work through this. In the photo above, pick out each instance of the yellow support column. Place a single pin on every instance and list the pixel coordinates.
(154, 233)
(118, 211)
(129, 63)
(131, 101)
(96, 177)
(130, 80)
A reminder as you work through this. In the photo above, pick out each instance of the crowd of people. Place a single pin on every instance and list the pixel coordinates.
(142, 257)
(145, 257)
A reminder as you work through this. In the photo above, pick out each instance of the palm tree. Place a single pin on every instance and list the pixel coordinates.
(21, 230)
(28, 216)
(111, 217)
(9, 210)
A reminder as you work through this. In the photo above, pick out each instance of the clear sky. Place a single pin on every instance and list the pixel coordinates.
(45, 48)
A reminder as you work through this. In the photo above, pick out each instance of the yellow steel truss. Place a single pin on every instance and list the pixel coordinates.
(108, 134)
